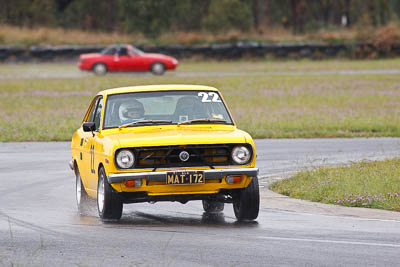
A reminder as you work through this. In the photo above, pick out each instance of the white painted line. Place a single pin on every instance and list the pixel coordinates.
(331, 241)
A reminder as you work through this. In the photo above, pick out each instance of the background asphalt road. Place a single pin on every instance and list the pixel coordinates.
(39, 224)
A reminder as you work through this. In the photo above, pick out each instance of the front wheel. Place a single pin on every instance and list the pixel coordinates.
(108, 204)
(213, 206)
(247, 203)
(158, 68)
(82, 198)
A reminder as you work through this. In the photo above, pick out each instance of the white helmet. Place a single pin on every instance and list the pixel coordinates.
(131, 111)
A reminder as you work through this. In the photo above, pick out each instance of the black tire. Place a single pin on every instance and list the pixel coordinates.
(246, 204)
(213, 206)
(82, 199)
(157, 68)
(108, 204)
(99, 69)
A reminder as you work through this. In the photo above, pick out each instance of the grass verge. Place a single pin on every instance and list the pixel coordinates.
(57, 36)
(365, 184)
(38, 102)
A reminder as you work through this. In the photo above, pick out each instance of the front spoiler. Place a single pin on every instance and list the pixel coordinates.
(160, 176)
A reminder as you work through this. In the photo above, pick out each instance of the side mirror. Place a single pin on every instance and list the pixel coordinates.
(89, 127)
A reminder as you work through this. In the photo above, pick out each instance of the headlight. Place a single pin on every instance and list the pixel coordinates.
(125, 159)
(241, 154)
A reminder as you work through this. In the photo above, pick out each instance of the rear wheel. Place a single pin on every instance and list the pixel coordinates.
(158, 68)
(100, 69)
(82, 198)
(108, 204)
(213, 206)
(247, 203)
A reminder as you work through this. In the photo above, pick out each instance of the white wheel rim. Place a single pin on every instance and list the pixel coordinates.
(100, 193)
(100, 69)
(78, 189)
(158, 68)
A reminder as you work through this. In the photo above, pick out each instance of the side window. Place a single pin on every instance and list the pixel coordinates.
(91, 115)
(123, 51)
(97, 114)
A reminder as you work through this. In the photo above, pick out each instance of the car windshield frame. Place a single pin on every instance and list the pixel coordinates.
(229, 120)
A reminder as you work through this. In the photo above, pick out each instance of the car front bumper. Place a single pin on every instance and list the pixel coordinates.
(159, 176)
(84, 65)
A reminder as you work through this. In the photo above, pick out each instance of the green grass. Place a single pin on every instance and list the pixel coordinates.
(366, 184)
(37, 104)
(17, 70)
(289, 65)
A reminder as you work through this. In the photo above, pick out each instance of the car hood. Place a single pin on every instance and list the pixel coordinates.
(158, 136)
(157, 56)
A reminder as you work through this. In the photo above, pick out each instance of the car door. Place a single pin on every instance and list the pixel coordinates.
(110, 58)
(93, 145)
(88, 149)
(128, 60)
(83, 157)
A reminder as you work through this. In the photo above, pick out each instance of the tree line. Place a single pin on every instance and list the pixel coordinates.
(153, 17)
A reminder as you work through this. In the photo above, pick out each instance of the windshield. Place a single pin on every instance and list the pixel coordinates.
(165, 107)
(135, 50)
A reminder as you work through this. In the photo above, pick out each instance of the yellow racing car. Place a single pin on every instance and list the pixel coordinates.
(163, 143)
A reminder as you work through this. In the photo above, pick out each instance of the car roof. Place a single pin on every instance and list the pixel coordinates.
(149, 88)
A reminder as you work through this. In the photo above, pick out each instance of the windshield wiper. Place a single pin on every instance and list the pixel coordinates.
(202, 120)
(143, 121)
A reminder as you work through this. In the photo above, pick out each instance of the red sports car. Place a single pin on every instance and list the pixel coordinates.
(126, 58)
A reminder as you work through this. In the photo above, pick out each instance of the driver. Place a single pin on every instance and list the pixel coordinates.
(132, 111)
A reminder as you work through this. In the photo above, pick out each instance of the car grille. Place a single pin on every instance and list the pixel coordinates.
(199, 155)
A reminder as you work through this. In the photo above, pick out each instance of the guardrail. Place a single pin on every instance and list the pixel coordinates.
(215, 51)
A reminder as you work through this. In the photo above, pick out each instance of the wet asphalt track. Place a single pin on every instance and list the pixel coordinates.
(39, 224)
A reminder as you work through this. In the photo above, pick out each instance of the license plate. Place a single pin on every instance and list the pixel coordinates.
(185, 177)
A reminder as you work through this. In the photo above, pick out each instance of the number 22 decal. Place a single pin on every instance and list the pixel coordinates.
(209, 97)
